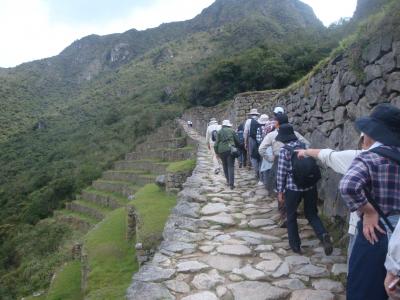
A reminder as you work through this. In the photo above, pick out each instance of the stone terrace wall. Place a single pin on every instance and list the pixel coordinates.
(236, 111)
(325, 106)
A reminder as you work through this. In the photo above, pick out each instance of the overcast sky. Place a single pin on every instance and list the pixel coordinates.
(34, 29)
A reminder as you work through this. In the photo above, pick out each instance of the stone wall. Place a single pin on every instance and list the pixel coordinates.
(236, 110)
(326, 105)
(174, 181)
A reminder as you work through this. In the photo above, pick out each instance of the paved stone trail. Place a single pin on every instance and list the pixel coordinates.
(223, 244)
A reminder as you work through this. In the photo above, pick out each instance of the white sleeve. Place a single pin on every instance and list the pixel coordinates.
(246, 129)
(339, 161)
(392, 263)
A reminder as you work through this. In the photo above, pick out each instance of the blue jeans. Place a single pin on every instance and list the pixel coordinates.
(292, 201)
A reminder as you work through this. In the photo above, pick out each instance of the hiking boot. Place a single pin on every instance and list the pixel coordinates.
(232, 187)
(216, 171)
(327, 244)
(297, 250)
(240, 166)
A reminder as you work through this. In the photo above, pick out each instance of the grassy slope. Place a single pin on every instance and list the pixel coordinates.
(67, 284)
(111, 258)
(182, 166)
(153, 206)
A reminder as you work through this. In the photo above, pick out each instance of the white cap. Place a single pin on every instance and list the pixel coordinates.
(226, 123)
(279, 110)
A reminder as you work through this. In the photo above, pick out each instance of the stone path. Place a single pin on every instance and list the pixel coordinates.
(223, 244)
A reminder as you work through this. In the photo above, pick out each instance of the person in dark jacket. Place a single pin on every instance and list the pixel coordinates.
(291, 194)
(226, 139)
(243, 153)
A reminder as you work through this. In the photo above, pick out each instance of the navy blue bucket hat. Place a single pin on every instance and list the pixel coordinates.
(383, 125)
(286, 134)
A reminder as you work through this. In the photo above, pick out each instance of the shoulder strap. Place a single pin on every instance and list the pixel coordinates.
(392, 155)
(388, 153)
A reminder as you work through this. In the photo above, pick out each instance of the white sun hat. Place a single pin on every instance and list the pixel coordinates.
(226, 123)
(263, 119)
(254, 112)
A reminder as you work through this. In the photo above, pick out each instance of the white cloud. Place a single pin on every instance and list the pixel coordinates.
(28, 32)
(329, 11)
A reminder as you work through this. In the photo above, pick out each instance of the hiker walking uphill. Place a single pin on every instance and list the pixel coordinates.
(226, 147)
(243, 153)
(211, 135)
(266, 126)
(271, 141)
(250, 135)
(372, 188)
(294, 182)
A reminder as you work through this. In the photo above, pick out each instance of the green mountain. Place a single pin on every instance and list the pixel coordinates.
(65, 119)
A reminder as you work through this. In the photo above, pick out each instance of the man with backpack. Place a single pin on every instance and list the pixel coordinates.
(250, 139)
(270, 141)
(227, 148)
(372, 188)
(243, 153)
(211, 136)
(296, 180)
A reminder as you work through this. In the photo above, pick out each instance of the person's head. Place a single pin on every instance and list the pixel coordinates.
(263, 119)
(254, 114)
(278, 110)
(286, 134)
(383, 125)
(226, 123)
(281, 119)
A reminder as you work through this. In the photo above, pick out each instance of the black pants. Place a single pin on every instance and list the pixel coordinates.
(228, 164)
(292, 201)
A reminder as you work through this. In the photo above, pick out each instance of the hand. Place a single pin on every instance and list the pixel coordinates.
(393, 293)
(370, 224)
(281, 198)
(301, 153)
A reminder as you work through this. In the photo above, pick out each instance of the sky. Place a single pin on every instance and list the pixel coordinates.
(35, 29)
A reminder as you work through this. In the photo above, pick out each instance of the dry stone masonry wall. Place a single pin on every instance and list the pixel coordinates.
(325, 107)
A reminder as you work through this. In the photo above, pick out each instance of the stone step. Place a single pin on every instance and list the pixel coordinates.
(89, 209)
(75, 220)
(102, 198)
(150, 166)
(120, 187)
(129, 176)
(163, 155)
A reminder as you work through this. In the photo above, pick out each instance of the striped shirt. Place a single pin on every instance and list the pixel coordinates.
(284, 177)
(372, 175)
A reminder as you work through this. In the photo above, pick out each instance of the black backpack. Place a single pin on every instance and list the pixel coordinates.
(254, 125)
(214, 134)
(305, 171)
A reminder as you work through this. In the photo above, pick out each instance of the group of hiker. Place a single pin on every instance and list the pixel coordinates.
(284, 163)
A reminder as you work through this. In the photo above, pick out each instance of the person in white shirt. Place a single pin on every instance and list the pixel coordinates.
(250, 142)
(213, 126)
(392, 265)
